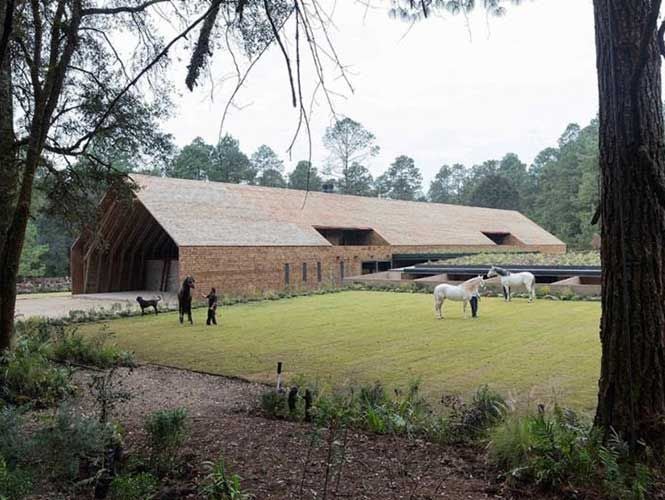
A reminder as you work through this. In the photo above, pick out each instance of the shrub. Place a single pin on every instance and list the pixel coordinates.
(405, 412)
(141, 486)
(275, 404)
(73, 445)
(220, 484)
(27, 375)
(167, 431)
(13, 441)
(559, 451)
(14, 483)
(108, 393)
(472, 421)
(70, 346)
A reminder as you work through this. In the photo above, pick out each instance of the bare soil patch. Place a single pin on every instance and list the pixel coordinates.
(271, 455)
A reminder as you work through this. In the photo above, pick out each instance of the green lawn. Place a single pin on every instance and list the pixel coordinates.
(533, 352)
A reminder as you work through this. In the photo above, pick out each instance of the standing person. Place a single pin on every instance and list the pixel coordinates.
(475, 298)
(212, 307)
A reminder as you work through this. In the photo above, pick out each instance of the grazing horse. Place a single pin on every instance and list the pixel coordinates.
(509, 279)
(458, 293)
(185, 299)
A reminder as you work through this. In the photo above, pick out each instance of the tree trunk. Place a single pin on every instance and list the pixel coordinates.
(631, 397)
(8, 166)
(9, 174)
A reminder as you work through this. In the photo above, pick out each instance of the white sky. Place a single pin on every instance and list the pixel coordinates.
(434, 94)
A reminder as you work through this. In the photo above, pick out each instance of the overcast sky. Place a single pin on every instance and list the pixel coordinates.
(443, 93)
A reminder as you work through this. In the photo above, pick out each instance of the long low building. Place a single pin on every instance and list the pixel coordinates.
(246, 240)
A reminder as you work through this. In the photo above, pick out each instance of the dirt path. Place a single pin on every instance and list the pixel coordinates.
(270, 455)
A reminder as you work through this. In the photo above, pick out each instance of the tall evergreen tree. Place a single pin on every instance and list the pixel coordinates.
(305, 176)
(230, 164)
(194, 161)
(268, 167)
(495, 191)
(357, 180)
(402, 181)
(448, 184)
(31, 258)
(350, 146)
(565, 185)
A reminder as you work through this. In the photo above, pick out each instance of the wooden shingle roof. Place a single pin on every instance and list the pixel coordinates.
(198, 213)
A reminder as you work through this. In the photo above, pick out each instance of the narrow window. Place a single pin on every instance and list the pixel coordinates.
(287, 274)
(304, 271)
(341, 270)
(319, 277)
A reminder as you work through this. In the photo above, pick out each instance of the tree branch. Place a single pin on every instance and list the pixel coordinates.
(281, 46)
(88, 137)
(202, 49)
(126, 9)
(36, 51)
(111, 46)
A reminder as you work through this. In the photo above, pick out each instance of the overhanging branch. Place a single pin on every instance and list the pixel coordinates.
(85, 140)
(124, 9)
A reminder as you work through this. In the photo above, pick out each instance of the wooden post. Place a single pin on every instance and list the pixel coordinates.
(279, 377)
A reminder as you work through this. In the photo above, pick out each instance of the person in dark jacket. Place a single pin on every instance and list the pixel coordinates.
(212, 307)
(475, 298)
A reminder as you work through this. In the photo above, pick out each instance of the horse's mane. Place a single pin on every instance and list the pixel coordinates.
(185, 290)
(501, 271)
(470, 283)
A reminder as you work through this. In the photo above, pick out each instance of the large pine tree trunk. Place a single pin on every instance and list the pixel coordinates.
(631, 396)
(9, 175)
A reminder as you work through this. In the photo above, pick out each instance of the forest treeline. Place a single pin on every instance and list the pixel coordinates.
(559, 190)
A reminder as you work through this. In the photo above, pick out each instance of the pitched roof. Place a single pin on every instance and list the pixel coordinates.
(199, 213)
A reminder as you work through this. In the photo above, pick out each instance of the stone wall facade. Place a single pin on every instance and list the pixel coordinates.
(248, 271)
(256, 270)
(43, 285)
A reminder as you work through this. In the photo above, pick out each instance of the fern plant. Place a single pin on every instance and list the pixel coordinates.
(220, 484)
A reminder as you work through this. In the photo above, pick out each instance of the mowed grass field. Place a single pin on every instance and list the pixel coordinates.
(532, 352)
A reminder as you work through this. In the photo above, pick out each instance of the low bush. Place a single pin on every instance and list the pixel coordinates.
(404, 412)
(14, 445)
(68, 345)
(14, 482)
(28, 376)
(141, 486)
(73, 445)
(27, 371)
(559, 451)
(471, 421)
(220, 484)
(275, 404)
(167, 431)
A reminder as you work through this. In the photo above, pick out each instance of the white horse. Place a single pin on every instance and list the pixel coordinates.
(509, 279)
(457, 293)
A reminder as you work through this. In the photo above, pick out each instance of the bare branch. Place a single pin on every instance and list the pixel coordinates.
(284, 52)
(119, 10)
(88, 137)
(111, 46)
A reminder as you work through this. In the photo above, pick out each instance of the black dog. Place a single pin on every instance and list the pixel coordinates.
(144, 304)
